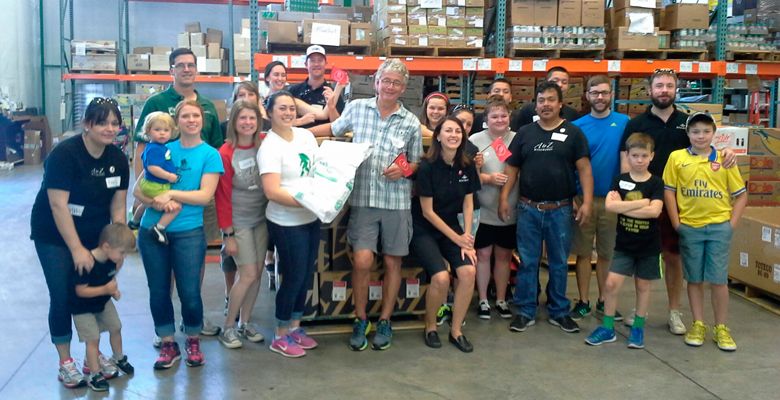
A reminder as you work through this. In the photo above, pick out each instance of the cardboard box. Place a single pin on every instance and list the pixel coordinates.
(209, 65)
(622, 16)
(570, 13)
(293, 16)
(32, 147)
(521, 12)
(242, 66)
(326, 32)
(214, 36)
(731, 137)
(143, 50)
(686, 16)
(620, 38)
(94, 62)
(282, 32)
(199, 50)
(764, 141)
(138, 62)
(546, 12)
(592, 13)
(192, 27)
(362, 34)
(241, 44)
(197, 38)
(633, 3)
(214, 50)
(754, 256)
(159, 63)
(759, 168)
(764, 193)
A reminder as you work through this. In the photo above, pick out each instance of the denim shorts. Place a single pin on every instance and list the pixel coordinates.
(705, 252)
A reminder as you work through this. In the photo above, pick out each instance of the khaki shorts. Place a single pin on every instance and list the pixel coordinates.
(210, 226)
(90, 325)
(252, 244)
(367, 225)
(601, 226)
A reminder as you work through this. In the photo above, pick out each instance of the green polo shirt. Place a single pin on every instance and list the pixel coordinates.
(167, 100)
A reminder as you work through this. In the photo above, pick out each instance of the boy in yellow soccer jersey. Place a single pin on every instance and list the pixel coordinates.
(704, 201)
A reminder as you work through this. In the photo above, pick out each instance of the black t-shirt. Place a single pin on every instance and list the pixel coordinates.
(91, 184)
(314, 97)
(526, 116)
(547, 160)
(638, 236)
(101, 274)
(668, 136)
(448, 186)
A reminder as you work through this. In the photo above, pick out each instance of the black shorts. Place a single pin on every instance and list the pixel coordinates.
(432, 248)
(501, 236)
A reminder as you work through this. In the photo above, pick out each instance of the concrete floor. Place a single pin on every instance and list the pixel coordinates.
(541, 363)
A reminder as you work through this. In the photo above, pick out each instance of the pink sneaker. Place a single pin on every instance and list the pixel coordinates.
(194, 356)
(304, 341)
(169, 354)
(287, 347)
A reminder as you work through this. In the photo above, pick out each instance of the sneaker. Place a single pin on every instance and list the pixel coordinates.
(159, 235)
(107, 368)
(600, 311)
(269, 269)
(629, 320)
(565, 323)
(502, 308)
(521, 323)
(722, 336)
(229, 338)
(169, 354)
(676, 325)
(636, 340)
(695, 336)
(359, 339)
(133, 225)
(156, 342)
(287, 347)
(600, 336)
(580, 310)
(124, 365)
(484, 309)
(208, 328)
(69, 374)
(444, 314)
(98, 383)
(384, 335)
(251, 333)
(194, 356)
(227, 301)
(302, 339)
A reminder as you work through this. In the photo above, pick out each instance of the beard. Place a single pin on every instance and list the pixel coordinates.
(599, 107)
(661, 103)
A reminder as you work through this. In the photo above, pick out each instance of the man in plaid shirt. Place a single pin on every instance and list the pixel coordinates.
(381, 199)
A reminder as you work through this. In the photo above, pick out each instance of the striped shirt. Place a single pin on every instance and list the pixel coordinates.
(389, 137)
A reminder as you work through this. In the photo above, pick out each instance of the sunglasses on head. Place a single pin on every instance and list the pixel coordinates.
(460, 107)
(104, 100)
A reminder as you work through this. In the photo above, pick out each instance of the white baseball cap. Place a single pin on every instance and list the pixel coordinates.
(315, 49)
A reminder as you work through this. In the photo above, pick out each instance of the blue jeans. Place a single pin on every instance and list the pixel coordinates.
(58, 269)
(183, 256)
(554, 228)
(297, 247)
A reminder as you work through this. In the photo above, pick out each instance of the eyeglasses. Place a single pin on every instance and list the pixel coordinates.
(104, 100)
(390, 82)
(603, 93)
(181, 66)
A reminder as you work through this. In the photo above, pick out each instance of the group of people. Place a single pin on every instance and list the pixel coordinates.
(524, 178)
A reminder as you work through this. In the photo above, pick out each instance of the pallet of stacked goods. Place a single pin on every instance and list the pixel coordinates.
(632, 30)
(242, 48)
(523, 89)
(555, 29)
(340, 30)
(685, 30)
(97, 56)
(443, 28)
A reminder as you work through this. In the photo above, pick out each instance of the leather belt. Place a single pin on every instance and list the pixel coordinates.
(546, 205)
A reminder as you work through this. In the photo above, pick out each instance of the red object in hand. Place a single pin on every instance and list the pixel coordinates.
(403, 163)
(339, 75)
(502, 152)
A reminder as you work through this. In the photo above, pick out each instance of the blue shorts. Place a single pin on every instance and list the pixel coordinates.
(705, 252)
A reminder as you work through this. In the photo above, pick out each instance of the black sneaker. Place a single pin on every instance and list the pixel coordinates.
(443, 314)
(600, 311)
(580, 310)
(484, 310)
(124, 365)
(565, 323)
(133, 225)
(521, 323)
(503, 309)
(98, 383)
(159, 235)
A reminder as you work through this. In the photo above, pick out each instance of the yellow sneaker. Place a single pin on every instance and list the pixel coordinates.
(722, 336)
(695, 336)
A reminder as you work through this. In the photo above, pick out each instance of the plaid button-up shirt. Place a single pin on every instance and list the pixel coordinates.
(398, 133)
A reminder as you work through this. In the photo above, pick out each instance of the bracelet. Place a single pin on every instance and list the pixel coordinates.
(227, 235)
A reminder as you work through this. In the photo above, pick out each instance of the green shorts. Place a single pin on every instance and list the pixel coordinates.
(153, 189)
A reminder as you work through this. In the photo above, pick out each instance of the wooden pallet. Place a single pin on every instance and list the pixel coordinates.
(636, 54)
(300, 48)
(752, 55)
(535, 52)
(418, 51)
(686, 54)
(761, 298)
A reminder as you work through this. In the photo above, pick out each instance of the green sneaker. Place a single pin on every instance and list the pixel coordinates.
(444, 314)
(359, 339)
(580, 311)
(384, 335)
(600, 311)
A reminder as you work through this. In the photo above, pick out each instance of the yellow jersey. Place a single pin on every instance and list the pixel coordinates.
(703, 187)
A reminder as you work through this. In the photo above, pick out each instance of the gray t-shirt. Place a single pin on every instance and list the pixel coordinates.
(489, 194)
(247, 199)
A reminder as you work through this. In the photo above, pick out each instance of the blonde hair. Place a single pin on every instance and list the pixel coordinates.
(232, 132)
(117, 236)
(159, 117)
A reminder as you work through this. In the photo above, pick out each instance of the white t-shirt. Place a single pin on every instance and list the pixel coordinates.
(292, 160)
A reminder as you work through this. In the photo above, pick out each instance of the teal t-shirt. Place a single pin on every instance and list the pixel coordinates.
(191, 164)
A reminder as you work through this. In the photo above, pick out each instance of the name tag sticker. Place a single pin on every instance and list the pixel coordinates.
(254, 187)
(536, 118)
(76, 210)
(559, 137)
(246, 163)
(113, 181)
(625, 185)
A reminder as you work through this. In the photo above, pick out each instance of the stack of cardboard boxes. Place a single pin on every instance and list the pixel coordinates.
(242, 48)
(632, 25)
(632, 89)
(555, 24)
(761, 166)
(689, 25)
(207, 46)
(93, 55)
(332, 26)
(149, 59)
(433, 24)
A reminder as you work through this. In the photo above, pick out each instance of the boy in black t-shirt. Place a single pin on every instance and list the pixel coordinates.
(93, 310)
(637, 198)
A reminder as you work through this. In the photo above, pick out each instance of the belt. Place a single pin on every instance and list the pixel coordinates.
(546, 205)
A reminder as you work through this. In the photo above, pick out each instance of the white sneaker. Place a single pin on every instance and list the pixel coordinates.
(229, 338)
(251, 332)
(157, 342)
(676, 325)
(209, 329)
(484, 309)
(629, 319)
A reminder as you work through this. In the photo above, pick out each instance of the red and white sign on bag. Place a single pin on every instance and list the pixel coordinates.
(502, 152)
(403, 163)
(339, 75)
